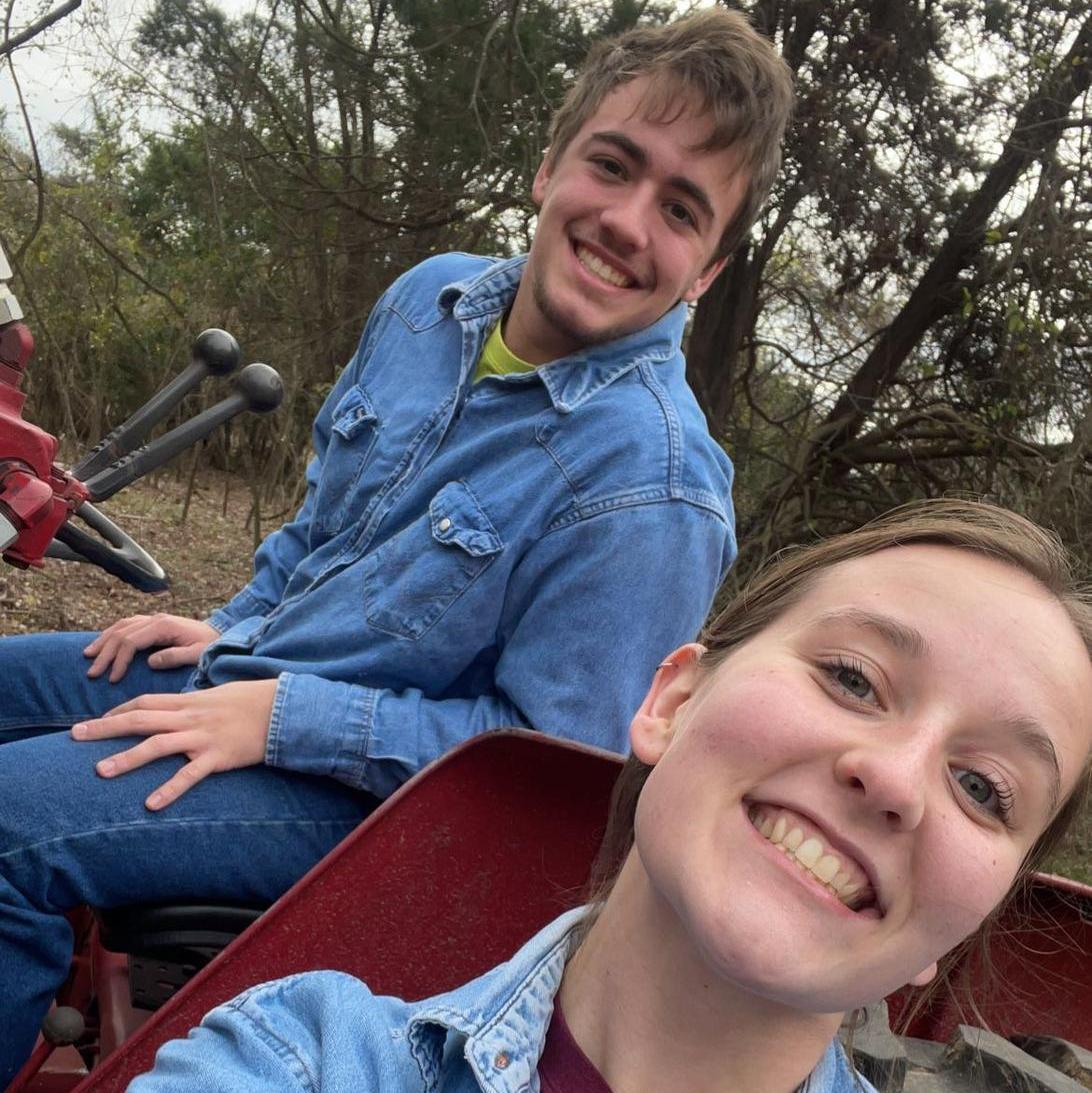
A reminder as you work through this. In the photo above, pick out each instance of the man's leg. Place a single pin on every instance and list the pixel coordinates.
(45, 684)
(69, 837)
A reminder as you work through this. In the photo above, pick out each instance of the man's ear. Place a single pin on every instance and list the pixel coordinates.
(704, 279)
(923, 977)
(653, 725)
(542, 178)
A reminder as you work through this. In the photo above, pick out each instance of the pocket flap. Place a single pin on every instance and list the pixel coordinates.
(458, 519)
(353, 412)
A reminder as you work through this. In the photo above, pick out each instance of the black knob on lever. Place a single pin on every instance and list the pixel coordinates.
(215, 353)
(257, 388)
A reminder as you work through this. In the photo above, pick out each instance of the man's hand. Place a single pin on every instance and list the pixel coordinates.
(219, 729)
(115, 647)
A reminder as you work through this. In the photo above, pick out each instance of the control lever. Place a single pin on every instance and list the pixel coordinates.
(215, 353)
(257, 388)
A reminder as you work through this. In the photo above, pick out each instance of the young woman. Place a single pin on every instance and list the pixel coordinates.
(871, 746)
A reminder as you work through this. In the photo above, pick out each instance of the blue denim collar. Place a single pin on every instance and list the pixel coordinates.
(571, 381)
(499, 1021)
(501, 1018)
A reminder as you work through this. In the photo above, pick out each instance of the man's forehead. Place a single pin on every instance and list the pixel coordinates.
(661, 99)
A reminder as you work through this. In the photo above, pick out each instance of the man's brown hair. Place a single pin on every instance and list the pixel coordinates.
(713, 59)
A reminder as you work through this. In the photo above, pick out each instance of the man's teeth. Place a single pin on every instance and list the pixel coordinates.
(841, 879)
(600, 268)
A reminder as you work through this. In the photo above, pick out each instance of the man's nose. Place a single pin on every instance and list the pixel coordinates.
(627, 219)
(889, 778)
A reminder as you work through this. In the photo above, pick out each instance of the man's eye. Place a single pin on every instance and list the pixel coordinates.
(610, 166)
(680, 213)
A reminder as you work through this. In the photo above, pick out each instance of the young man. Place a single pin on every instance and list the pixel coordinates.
(508, 471)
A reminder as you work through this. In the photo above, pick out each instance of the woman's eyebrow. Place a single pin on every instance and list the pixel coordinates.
(1029, 734)
(897, 634)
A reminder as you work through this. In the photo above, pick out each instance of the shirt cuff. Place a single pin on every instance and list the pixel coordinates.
(319, 726)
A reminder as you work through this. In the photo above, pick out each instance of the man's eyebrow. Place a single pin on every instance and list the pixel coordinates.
(640, 157)
(1029, 734)
(904, 638)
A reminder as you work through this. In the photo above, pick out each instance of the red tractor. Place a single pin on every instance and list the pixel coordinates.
(510, 812)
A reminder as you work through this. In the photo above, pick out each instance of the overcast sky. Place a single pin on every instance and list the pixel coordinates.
(57, 71)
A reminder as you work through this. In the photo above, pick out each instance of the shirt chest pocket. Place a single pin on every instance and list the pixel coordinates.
(353, 434)
(428, 565)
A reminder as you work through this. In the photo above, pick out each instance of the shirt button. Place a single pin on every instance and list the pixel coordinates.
(501, 1060)
(444, 524)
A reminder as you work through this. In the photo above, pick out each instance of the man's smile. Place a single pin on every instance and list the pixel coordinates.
(603, 269)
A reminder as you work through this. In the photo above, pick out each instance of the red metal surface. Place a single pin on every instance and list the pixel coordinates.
(1041, 979)
(36, 496)
(465, 862)
(443, 881)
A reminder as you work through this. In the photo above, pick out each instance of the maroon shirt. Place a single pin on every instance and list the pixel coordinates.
(564, 1068)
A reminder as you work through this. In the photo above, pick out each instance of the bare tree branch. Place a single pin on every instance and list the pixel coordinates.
(10, 44)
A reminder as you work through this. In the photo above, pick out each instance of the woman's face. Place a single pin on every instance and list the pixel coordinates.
(853, 790)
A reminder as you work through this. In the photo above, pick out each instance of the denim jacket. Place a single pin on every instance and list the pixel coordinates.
(517, 552)
(325, 1032)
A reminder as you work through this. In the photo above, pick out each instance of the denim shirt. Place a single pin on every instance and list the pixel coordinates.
(517, 552)
(325, 1031)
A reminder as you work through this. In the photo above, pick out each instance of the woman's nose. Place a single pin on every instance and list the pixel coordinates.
(887, 779)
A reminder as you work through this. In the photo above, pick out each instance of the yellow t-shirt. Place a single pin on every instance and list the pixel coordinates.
(497, 359)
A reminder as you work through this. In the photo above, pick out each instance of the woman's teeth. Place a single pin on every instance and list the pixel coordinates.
(841, 878)
(600, 268)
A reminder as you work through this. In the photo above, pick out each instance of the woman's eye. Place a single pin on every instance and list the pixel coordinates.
(851, 679)
(984, 793)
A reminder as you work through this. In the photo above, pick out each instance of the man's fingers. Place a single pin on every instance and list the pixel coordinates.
(155, 747)
(132, 723)
(113, 631)
(153, 703)
(176, 656)
(192, 773)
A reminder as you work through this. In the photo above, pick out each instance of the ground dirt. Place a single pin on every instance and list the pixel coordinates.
(208, 559)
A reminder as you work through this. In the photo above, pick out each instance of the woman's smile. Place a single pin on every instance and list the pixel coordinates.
(826, 868)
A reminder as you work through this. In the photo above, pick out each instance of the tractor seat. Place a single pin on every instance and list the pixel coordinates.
(167, 944)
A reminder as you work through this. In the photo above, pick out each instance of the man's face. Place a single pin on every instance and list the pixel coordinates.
(630, 214)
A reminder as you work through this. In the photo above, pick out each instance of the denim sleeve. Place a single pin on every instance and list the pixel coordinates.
(588, 614)
(227, 1051)
(292, 1035)
(282, 551)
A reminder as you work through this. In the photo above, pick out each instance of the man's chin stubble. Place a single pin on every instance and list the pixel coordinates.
(566, 330)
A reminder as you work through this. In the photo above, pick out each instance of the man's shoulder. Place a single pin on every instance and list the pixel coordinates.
(420, 287)
(647, 432)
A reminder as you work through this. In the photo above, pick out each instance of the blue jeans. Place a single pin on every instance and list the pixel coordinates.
(68, 836)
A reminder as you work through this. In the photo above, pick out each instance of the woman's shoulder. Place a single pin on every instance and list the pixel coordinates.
(305, 1032)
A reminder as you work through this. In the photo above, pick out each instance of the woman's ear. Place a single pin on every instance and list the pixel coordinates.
(653, 725)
